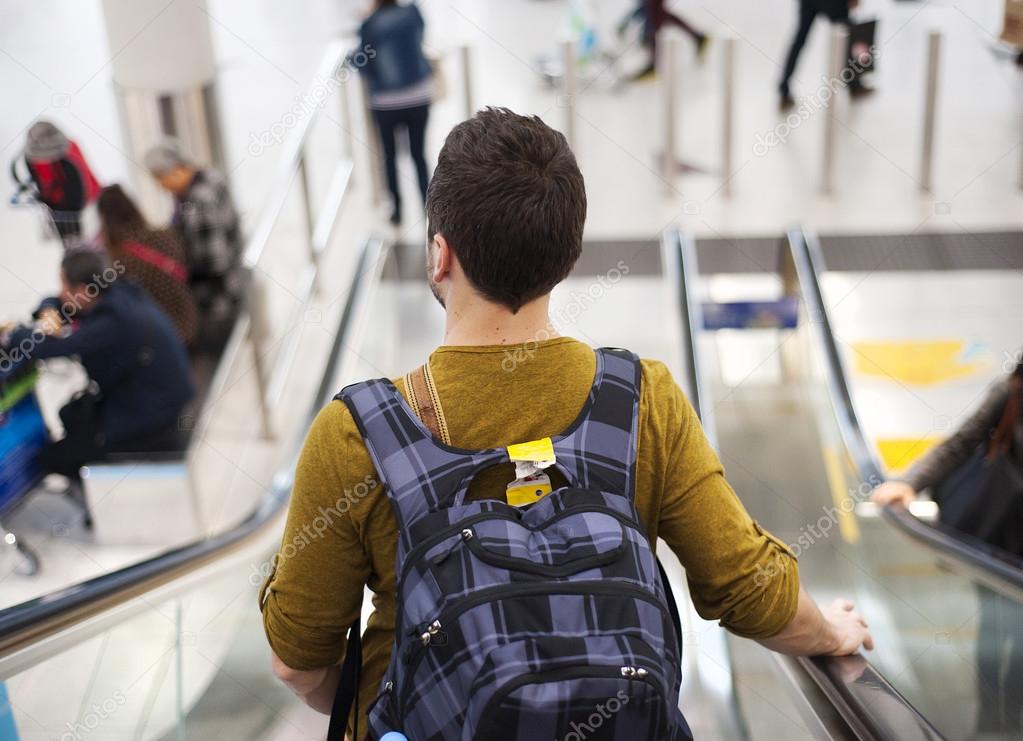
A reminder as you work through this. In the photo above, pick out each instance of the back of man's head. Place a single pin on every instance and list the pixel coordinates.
(84, 266)
(509, 199)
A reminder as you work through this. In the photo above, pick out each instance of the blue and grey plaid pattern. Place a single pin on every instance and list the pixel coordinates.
(524, 623)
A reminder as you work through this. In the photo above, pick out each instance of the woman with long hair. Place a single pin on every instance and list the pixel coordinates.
(995, 429)
(152, 258)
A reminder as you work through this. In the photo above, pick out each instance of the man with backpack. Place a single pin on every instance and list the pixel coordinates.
(504, 517)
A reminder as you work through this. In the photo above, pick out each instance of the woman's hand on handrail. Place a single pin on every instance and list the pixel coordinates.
(894, 492)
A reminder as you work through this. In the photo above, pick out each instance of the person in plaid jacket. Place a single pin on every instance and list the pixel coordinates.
(205, 215)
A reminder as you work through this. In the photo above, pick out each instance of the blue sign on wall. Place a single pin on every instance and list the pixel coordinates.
(781, 314)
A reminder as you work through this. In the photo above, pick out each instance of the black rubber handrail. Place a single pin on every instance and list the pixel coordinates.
(36, 618)
(997, 569)
(866, 704)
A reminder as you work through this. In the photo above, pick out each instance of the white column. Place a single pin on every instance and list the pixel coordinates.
(163, 69)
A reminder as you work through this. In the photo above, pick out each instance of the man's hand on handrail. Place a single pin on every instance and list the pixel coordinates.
(835, 630)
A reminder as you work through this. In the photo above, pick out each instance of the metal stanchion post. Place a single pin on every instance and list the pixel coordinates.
(838, 58)
(466, 56)
(257, 336)
(344, 99)
(727, 113)
(930, 108)
(307, 207)
(667, 71)
(569, 89)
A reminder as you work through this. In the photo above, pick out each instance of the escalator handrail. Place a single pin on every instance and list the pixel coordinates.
(868, 705)
(36, 619)
(678, 253)
(997, 569)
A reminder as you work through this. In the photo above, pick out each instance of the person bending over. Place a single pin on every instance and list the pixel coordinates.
(139, 378)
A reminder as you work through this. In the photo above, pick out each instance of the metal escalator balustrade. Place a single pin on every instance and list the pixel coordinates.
(975, 559)
(838, 697)
(144, 642)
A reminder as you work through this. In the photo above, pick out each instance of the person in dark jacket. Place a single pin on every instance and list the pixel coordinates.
(153, 258)
(997, 424)
(400, 84)
(139, 377)
(836, 11)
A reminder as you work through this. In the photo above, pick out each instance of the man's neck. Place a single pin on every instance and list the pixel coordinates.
(477, 322)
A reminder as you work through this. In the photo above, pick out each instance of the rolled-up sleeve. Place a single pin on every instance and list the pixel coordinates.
(316, 583)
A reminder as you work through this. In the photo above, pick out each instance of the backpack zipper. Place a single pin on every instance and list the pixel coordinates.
(434, 630)
(511, 563)
(632, 673)
(462, 525)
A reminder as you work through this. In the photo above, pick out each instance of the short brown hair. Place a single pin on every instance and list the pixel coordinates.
(509, 198)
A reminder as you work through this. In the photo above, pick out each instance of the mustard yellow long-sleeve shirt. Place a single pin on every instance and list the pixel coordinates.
(341, 534)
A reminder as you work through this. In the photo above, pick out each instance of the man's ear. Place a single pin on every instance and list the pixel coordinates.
(443, 258)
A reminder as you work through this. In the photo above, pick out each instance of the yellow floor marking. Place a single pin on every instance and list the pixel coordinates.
(899, 453)
(840, 496)
(916, 363)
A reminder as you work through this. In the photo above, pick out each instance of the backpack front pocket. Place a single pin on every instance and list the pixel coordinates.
(567, 545)
(593, 687)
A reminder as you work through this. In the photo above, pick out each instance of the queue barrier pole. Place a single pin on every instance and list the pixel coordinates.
(837, 61)
(930, 109)
(728, 114)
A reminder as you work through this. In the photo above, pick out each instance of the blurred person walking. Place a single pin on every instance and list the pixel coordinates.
(208, 222)
(656, 17)
(836, 11)
(153, 258)
(984, 460)
(400, 81)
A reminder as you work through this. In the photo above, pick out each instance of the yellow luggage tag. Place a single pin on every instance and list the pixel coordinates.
(531, 484)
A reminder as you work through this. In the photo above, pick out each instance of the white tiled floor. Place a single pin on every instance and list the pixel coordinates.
(974, 308)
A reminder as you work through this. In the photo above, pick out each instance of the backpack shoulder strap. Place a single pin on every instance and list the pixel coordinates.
(419, 471)
(599, 452)
(425, 402)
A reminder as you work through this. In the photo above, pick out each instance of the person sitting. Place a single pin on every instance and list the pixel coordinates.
(139, 378)
(153, 258)
(208, 222)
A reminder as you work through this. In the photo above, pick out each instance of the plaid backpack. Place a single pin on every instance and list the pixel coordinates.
(548, 621)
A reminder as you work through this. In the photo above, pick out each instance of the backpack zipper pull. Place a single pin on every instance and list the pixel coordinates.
(432, 630)
(465, 536)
